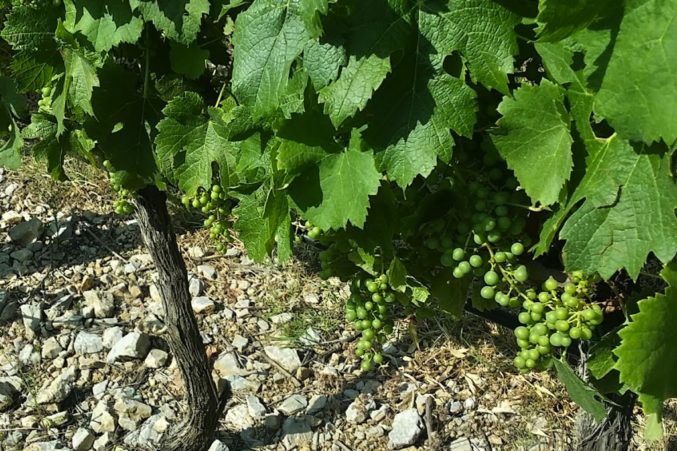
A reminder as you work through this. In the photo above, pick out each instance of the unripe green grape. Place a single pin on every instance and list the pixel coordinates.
(475, 261)
(586, 333)
(368, 334)
(378, 358)
(550, 284)
(520, 362)
(566, 341)
(489, 224)
(570, 288)
(527, 304)
(464, 266)
(524, 317)
(220, 247)
(447, 242)
(479, 238)
(521, 274)
(376, 297)
(500, 257)
(351, 315)
(544, 340)
(523, 344)
(530, 363)
(196, 203)
(504, 223)
(491, 278)
(382, 310)
(366, 324)
(562, 325)
(537, 307)
(314, 233)
(517, 248)
(214, 195)
(458, 273)
(361, 313)
(575, 333)
(359, 352)
(390, 297)
(544, 350)
(376, 324)
(487, 292)
(556, 339)
(372, 286)
(494, 236)
(535, 316)
(458, 254)
(383, 286)
(447, 260)
(502, 299)
(539, 329)
(561, 313)
(368, 306)
(521, 333)
(531, 294)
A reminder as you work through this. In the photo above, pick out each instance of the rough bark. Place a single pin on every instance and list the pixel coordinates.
(204, 404)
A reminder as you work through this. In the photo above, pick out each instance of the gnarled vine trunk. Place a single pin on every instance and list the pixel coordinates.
(204, 404)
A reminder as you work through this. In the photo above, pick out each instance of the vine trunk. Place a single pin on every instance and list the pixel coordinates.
(204, 404)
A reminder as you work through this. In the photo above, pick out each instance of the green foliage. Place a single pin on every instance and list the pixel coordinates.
(651, 374)
(427, 142)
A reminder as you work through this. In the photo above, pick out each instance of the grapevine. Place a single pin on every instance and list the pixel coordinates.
(436, 165)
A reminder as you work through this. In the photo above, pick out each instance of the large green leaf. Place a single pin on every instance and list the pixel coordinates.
(646, 356)
(534, 138)
(376, 31)
(263, 222)
(268, 38)
(560, 18)
(30, 32)
(483, 32)
(639, 91)
(177, 19)
(343, 182)
(190, 139)
(629, 211)
(323, 62)
(105, 24)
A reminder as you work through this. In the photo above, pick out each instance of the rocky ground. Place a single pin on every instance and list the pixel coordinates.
(83, 364)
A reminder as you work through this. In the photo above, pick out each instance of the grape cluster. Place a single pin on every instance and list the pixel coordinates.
(45, 102)
(369, 311)
(122, 204)
(214, 203)
(553, 317)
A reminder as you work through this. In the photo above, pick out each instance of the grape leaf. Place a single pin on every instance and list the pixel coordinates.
(534, 138)
(639, 91)
(310, 11)
(580, 392)
(350, 93)
(104, 24)
(188, 60)
(190, 138)
(483, 32)
(267, 39)
(646, 358)
(177, 19)
(558, 19)
(83, 79)
(375, 33)
(629, 211)
(261, 218)
(37, 55)
(304, 139)
(123, 118)
(11, 140)
(344, 181)
(323, 62)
